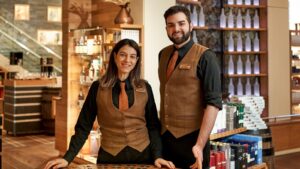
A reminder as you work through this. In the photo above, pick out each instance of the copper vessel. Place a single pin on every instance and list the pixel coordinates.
(124, 15)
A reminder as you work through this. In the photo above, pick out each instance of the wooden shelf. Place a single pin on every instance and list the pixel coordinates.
(227, 133)
(246, 75)
(259, 166)
(244, 53)
(295, 74)
(244, 6)
(189, 2)
(244, 29)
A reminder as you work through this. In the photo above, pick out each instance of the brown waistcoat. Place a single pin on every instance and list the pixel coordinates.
(122, 128)
(181, 107)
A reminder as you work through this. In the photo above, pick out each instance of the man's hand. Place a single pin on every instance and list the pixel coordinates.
(159, 162)
(198, 154)
(56, 163)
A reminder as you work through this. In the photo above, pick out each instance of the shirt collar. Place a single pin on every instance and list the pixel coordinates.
(185, 48)
(127, 83)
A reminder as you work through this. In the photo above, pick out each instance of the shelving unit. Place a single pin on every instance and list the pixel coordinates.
(227, 133)
(295, 71)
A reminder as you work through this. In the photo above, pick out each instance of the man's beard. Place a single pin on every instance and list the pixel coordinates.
(179, 41)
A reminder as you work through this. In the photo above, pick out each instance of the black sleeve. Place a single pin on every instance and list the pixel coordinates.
(84, 123)
(153, 125)
(208, 71)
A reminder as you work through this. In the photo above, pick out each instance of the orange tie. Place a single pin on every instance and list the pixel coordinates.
(172, 63)
(123, 98)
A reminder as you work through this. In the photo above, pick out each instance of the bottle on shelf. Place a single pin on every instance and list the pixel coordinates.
(222, 19)
(240, 87)
(256, 43)
(95, 45)
(256, 20)
(195, 36)
(201, 17)
(230, 65)
(239, 2)
(230, 43)
(230, 87)
(256, 2)
(248, 65)
(82, 76)
(248, 87)
(80, 98)
(99, 43)
(84, 47)
(230, 2)
(247, 43)
(247, 2)
(247, 20)
(194, 16)
(239, 44)
(256, 65)
(91, 72)
(239, 65)
(230, 19)
(256, 87)
(239, 19)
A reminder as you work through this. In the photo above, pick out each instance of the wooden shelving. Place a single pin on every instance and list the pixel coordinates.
(244, 53)
(245, 6)
(189, 2)
(226, 133)
(245, 75)
(259, 166)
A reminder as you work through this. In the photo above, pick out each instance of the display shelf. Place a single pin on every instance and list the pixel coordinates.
(294, 50)
(244, 53)
(244, 6)
(244, 29)
(226, 133)
(245, 75)
(189, 2)
(259, 166)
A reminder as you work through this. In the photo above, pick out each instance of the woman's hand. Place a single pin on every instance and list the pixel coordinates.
(159, 162)
(56, 163)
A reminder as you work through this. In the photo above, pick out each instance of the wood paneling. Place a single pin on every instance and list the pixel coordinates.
(103, 13)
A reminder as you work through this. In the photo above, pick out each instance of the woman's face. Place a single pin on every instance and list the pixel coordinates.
(126, 59)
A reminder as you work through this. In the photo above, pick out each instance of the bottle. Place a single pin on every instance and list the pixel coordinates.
(99, 44)
(248, 87)
(80, 98)
(95, 45)
(230, 87)
(84, 47)
(201, 17)
(222, 19)
(256, 43)
(230, 43)
(230, 2)
(247, 2)
(240, 87)
(194, 16)
(230, 65)
(248, 65)
(81, 44)
(256, 88)
(239, 2)
(195, 36)
(247, 20)
(239, 45)
(230, 19)
(247, 43)
(239, 19)
(256, 65)
(91, 72)
(256, 20)
(256, 2)
(82, 76)
(239, 65)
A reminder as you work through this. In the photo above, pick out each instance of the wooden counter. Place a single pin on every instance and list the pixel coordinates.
(23, 105)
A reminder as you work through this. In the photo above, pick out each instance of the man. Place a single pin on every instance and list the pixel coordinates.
(190, 89)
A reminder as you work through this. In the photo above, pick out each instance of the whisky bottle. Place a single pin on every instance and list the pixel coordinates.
(80, 98)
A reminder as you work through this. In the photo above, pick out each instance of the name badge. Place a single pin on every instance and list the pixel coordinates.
(185, 66)
(142, 90)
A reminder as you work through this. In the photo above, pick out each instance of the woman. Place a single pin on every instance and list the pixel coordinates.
(124, 106)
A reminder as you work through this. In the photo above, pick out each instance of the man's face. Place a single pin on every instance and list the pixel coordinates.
(178, 28)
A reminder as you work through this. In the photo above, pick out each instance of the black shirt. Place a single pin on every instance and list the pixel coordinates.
(88, 115)
(208, 71)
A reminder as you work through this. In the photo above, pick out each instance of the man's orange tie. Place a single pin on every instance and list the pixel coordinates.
(172, 63)
(123, 98)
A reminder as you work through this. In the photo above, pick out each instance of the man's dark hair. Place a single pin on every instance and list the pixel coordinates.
(176, 9)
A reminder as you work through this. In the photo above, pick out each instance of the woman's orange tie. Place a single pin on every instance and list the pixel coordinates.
(123, 98)
(172, 63)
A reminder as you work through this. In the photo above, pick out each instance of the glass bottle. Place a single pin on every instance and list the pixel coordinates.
(82, 76)
(256, 43)
(239, 45)
(230, 43)
(230, 65)
(248, 65)
(80, 98)
(222, 19)
(247, 43)
(248, 87)
(256, 2)
(230, 87)
(195, 36)
(247, 2)
(256, 65)
(239, 19)
(201, 17)
(240, 87)
(194, 16)
(247, 20)
(239, 2)
(256, 20)
(256, 87)
(230, 2)
(239, 65)
(230, 19)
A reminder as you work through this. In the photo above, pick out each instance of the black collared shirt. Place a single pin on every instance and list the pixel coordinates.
(88, 115)
(208, 71)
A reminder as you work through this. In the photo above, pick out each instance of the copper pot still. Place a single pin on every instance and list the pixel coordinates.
(123, 16)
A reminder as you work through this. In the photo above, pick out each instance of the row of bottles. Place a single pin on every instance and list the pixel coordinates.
(239, 21)
(242, 44)
(197, 15)
(244, 86)
(88, 46)
(243, 2)
(243, 66)
(93, 71)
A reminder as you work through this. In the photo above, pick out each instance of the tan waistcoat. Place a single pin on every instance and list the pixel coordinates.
(181, 107)
(122, 128)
